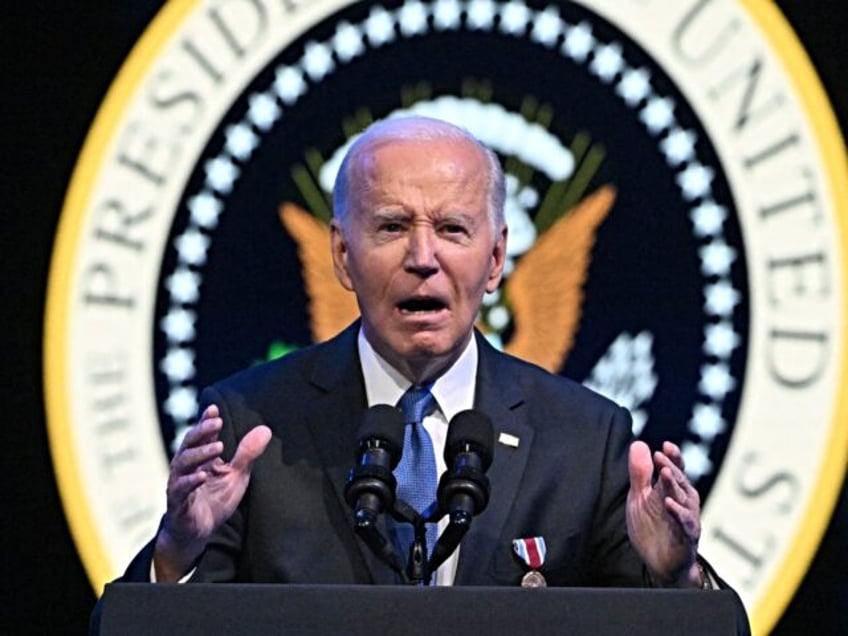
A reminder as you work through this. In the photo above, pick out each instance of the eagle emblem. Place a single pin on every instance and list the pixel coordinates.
(544, 292)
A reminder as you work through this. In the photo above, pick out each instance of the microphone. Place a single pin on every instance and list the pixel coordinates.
(371, 486)
(463, 488)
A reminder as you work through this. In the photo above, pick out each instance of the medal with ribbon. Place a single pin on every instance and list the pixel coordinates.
(532, 551)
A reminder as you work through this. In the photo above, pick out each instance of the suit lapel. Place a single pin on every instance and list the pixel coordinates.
(499, 395)
(334, 425)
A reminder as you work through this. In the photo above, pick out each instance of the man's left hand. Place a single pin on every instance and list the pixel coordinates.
(664, 516)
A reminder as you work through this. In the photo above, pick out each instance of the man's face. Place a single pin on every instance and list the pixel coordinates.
(418, 249)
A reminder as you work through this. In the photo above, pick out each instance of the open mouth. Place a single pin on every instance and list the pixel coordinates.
(421, 305)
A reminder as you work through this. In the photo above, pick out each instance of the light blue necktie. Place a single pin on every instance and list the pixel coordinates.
(416, 472)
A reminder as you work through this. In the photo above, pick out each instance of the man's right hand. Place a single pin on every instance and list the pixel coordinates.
(203, 492)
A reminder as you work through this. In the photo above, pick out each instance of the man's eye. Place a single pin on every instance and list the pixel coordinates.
(454, 228)
(391, 227)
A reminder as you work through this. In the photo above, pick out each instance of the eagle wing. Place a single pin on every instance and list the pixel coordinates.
(331, 306)
(545, 292)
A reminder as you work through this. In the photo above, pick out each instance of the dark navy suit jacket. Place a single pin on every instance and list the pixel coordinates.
(566, 480)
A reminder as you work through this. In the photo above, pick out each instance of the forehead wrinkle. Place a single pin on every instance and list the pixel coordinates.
(445, 187)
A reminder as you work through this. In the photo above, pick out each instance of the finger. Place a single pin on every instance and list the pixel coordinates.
(179, 489)
(675, 484)
(251, 446)
(680, 490)
(641, 467)
(204, 432)
(663, 461)
(689, 520)
(191, 459)
(672, 451)
(210, 412)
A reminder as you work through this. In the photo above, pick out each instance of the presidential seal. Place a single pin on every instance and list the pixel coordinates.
(677, 233)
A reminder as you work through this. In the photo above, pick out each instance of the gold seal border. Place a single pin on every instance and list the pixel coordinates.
(58, 302)
(789, 51)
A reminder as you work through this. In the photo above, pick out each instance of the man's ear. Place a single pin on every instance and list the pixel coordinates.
(338, 245)
(498, 260)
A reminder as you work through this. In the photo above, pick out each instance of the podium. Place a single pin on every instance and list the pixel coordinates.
(133, 609)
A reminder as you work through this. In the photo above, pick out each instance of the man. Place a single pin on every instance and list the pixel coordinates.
(419, 236)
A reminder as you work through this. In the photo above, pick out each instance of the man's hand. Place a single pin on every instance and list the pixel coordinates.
(203, 492)
(664, 518)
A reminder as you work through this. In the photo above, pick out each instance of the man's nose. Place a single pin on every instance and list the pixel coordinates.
(421, 251)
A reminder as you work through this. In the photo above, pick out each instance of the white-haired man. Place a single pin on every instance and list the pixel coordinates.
(418, 235)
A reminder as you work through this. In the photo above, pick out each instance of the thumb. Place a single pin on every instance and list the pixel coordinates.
(251, 447)
(641, 466)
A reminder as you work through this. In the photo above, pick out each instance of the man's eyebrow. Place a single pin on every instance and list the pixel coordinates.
(391, 214)
(456, 216)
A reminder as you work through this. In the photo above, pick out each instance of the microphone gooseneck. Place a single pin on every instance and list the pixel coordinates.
(464, 488)
(371, 486)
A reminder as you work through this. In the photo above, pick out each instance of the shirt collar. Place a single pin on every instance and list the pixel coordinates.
(453, 390)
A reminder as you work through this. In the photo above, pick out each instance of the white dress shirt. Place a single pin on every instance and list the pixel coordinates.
(453, 391)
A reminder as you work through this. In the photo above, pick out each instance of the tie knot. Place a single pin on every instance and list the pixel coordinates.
(416, 404)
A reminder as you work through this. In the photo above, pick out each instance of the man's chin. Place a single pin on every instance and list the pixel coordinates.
(425, 353)
(420, 349)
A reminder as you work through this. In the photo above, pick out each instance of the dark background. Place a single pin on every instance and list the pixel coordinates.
(58, 61)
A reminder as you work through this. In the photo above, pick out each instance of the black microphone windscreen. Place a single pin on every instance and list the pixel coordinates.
(383, 422)
(470, 428)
